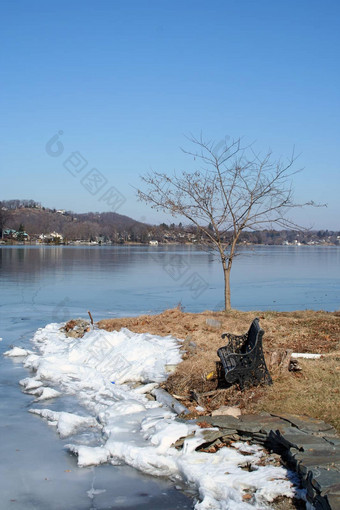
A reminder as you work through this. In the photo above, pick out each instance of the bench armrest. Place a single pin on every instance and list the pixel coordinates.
(235, 342)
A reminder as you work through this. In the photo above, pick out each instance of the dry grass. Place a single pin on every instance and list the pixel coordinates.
(314, 391)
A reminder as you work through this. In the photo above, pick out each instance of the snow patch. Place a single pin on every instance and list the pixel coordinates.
(111, 374)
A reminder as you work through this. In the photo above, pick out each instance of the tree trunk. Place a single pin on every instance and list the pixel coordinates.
(226, 272)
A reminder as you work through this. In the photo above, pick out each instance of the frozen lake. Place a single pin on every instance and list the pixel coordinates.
(58, 282)
(40, 285)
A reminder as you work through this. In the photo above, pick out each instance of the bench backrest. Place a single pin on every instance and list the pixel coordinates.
(255, 333)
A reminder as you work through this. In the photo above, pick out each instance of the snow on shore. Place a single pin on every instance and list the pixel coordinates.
(111, 374)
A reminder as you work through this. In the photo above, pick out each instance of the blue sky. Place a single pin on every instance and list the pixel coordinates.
(126, 81)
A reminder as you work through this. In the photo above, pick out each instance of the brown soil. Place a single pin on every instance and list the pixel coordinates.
(313, 391)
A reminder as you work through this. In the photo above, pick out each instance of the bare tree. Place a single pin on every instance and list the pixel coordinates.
(232, 189)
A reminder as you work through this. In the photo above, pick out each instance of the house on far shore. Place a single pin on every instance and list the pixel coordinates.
(153, 243)
(10, 233)
(53, 237)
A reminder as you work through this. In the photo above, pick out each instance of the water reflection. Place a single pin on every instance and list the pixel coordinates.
(146, 279)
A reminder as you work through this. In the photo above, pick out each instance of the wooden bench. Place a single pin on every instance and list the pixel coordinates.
(242, 358)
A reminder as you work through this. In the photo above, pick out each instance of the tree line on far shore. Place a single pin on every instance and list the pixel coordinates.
(117, 228)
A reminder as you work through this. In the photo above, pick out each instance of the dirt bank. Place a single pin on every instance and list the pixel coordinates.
(313, 391)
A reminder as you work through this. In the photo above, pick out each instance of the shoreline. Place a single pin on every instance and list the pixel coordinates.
(311, 391)
(202, 246)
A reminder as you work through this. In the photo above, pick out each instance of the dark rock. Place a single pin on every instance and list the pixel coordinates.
(231, 436)
(326, 479)
(179, 443)
(210, 436)
(306, 424)
(332, 440)
(319, 458)
(321, 503)
(306, 442)
(223, 422)
(263, 424)
(333, 501)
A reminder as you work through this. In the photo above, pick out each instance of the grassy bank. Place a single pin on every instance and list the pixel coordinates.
(313, 391)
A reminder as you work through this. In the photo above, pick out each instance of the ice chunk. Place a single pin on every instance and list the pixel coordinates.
(89, 456)
(17, 351)
(165, 434)
(30, 383)
(145, 388)
(66, 423)
(47, 393)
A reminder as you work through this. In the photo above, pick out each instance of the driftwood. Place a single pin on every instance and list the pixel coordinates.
(91, 319)
(165, 398)
(196, 396)
(285, 361)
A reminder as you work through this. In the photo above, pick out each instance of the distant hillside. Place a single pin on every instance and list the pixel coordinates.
(39, 220)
